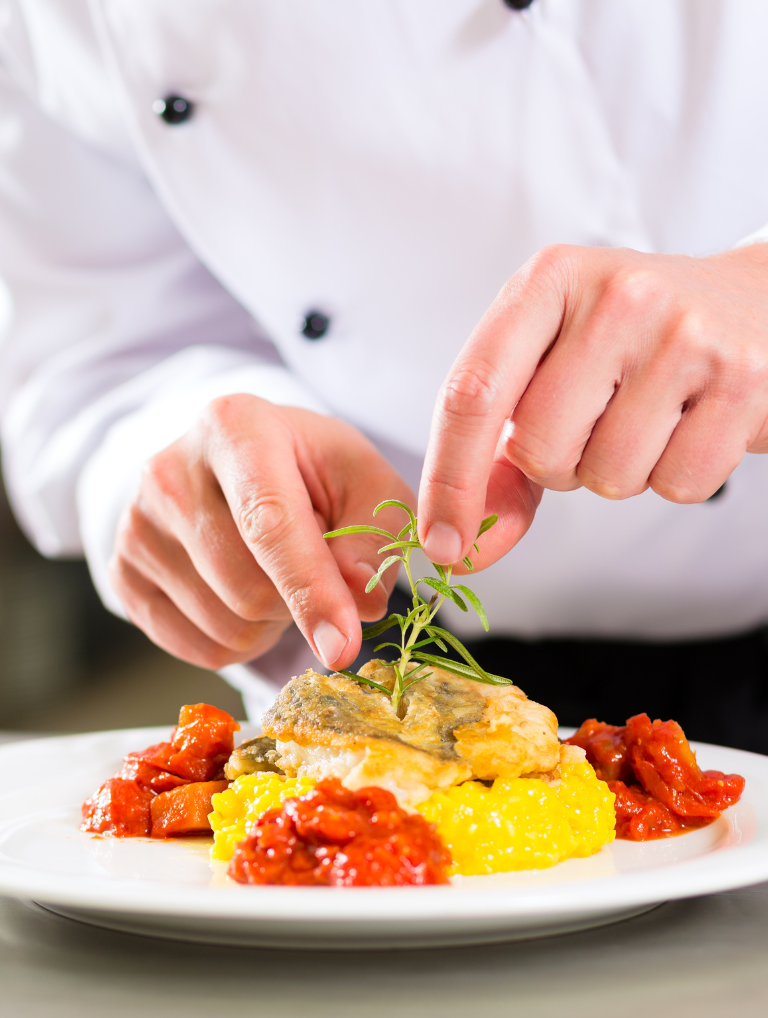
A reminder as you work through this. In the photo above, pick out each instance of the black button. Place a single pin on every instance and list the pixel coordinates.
(174, 109)
(315, 325)
(518, 5)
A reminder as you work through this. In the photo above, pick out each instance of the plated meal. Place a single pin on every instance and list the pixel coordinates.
(408, 772)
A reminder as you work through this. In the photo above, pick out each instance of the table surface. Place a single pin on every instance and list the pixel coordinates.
(702, 957)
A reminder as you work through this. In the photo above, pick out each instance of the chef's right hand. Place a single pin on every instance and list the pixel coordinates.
(222, 545)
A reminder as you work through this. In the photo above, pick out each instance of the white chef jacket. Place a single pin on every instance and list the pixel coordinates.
(389, 163)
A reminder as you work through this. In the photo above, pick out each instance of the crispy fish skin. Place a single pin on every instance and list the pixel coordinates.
(259, 754)
(452, 729)
(329, 725)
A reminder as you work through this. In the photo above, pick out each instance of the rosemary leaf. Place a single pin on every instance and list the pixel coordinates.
(365, 682)
(445, 590)
(457, 668)
(380, 627)
(399, 544)
(488, 522)
(382, 569)
(414, 681)
(430, 639)
(458, 646)
(361, 529)
(474, 600)
(399, 505)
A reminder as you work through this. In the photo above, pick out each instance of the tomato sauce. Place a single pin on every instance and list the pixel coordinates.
(333, 836)
(193, 760)
(652, 770)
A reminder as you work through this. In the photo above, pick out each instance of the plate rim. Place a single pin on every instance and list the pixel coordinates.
(692, 877)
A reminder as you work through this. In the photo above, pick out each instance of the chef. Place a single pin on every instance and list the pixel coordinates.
(261, 258)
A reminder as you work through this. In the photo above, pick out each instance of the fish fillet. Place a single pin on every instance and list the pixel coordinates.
(452, 729)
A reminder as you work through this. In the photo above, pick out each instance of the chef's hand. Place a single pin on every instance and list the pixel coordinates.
(223, 543)
(605, 368)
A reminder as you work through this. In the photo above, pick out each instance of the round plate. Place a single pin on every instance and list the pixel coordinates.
(171, 889)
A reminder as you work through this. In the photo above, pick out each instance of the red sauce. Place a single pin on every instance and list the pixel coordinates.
(650, 767)
(195, 756)
(332, 836)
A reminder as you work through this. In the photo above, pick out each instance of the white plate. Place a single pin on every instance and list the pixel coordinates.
(170, 889)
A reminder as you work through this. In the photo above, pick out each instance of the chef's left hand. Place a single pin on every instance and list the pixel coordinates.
(602, 368)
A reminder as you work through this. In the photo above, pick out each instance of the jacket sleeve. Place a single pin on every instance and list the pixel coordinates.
(114, 335)
(758, 237)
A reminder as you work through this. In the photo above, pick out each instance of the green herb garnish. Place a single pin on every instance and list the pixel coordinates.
(417, 629)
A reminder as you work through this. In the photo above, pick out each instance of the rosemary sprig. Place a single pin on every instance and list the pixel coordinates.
(417, 629)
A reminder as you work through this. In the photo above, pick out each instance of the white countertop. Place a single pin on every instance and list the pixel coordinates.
(703, 957)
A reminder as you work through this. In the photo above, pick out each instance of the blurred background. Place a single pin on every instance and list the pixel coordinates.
(68, 665)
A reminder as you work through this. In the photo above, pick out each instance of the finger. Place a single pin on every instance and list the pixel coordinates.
(571, 389)
(160, 558)
(153, 612)
(184, 498)
(486, 381)
(347, 454)
(630, 437)
(602, 400)
(705, 448)
(514, 498)
(271, 507)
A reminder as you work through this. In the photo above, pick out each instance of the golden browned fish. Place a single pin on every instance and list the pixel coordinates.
(253, 756)
(451, 729)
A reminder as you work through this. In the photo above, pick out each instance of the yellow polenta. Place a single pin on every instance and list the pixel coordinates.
(248, 797)
(524, 823)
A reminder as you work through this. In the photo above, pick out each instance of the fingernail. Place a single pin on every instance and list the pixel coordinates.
(329, 642)
(442, 543)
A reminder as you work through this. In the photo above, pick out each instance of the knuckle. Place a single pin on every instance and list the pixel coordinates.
(263, 518)
(241, 636)
(448, 490)
(117, 574)
(161, 478)
(470, 392)
(634, 291)
(300, 598)
(222, 411)
(551, 265)
(539, 460)
(551, 259)
(258, 603)
(731, 365)
(132, 530)
(693, 342)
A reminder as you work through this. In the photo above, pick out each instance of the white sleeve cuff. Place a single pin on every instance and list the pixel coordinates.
(111, 475)
(758, 237)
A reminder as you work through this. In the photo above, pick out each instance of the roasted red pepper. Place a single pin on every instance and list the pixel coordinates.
(660, 789)
(203, 742)
(121, 808)
(184, 810)
(199, 747)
